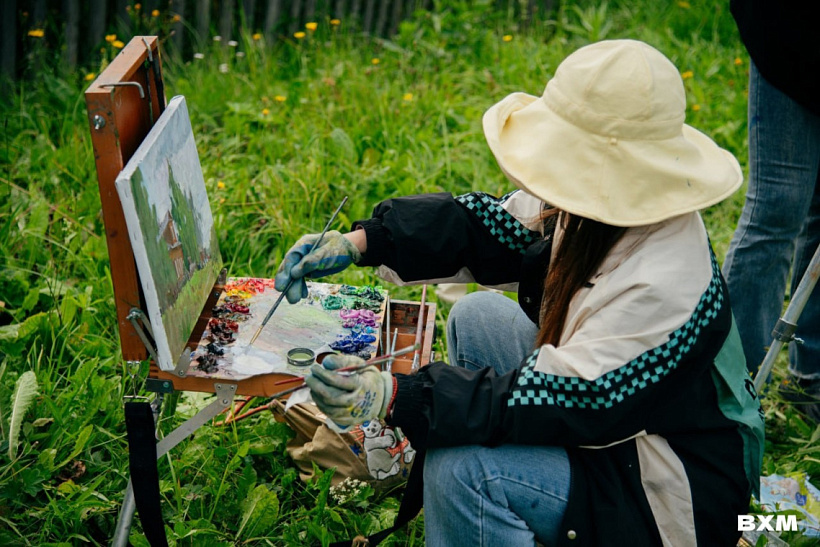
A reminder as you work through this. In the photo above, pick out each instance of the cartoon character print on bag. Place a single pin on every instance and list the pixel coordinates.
(384, 447)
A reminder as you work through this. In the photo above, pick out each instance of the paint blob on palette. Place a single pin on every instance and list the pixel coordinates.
(332, 317)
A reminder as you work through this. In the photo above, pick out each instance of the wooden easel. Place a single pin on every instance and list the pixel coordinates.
(122, 105)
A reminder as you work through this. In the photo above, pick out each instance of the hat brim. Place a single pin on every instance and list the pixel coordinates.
(616, 181)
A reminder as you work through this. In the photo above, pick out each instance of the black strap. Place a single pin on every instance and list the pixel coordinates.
(142, 449)
(411, 504)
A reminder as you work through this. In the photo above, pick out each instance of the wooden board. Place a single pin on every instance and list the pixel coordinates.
(119, 119)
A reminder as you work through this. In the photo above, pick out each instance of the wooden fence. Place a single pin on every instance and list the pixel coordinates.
(72, 31)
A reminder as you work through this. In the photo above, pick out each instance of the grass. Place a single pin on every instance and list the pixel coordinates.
(283, 134)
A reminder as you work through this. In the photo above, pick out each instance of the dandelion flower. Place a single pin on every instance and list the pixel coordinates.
(280, 98)
(110, 38)
(738, 61)
(223, 68)
(686, 75)
(155, 13)
(176, 18)
(90, 76)
(265, 111)
(232, 43)
(220, 185)
(507, 38)
(257, 36)
(684, 5)
(117, 44)
(375, 60)
(199, 55)
(311, 26)
(695, 107)
(335, 22)
(240, 54)
(299, 35)
(408, 97)
(137, 7)
(217, 38)
(36, 33)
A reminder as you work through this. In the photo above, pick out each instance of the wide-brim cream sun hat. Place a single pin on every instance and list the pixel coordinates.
(607, 140)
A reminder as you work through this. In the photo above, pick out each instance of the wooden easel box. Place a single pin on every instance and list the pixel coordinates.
(122, 105)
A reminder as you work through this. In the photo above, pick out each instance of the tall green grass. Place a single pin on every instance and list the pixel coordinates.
(283, 132)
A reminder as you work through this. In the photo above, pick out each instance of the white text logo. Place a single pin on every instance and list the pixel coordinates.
(782, 523)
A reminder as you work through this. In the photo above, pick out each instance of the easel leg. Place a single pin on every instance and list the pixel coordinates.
(224, 397)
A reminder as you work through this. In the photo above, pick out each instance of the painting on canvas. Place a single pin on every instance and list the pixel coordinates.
(171, 228)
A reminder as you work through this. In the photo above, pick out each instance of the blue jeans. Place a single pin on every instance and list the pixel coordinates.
(506, 495)
(779, 228)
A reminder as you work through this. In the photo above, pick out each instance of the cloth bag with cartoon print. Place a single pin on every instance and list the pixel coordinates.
(371, 452)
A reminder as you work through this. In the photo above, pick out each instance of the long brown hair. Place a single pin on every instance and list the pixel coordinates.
(584, 245)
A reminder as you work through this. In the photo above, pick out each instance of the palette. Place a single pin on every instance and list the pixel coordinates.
(224, 351)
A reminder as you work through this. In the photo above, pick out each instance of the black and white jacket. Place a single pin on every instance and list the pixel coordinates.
(647, 391)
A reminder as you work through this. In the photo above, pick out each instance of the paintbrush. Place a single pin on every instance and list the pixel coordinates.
(287, 287)
(419, 328)
(352, 368)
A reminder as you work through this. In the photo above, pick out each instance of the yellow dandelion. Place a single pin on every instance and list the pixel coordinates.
(408, 97)
(36, 33)
(507, 37)
(110, 38)
(335, 22)
(686, 75)
(220, 185)
(90, 76)
(176, 18)
(375, 60)
(257, 36)
(684, 5)
(117, 44)
(280, 98)
(738, 61)
(155, 13)
(311, 26)
(221, 200)
(695, 107)
(299, 35)
(137, 6)
(265, 111)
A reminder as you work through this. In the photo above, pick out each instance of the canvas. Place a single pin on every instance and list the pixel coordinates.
(171, 229)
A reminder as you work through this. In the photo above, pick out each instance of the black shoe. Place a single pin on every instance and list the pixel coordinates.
(803, 394)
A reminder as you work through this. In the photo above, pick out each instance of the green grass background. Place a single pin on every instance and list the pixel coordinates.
(283, 133)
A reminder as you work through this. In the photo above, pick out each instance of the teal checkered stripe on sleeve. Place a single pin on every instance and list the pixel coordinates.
(509, 231)
(538, 388)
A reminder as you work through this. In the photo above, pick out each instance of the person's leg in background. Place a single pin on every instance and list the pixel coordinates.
(784, 155)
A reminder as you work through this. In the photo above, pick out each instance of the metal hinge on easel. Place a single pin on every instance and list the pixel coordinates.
(141, 324)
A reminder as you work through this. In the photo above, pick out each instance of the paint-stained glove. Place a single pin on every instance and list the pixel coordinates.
(350, 398)
(334, 254)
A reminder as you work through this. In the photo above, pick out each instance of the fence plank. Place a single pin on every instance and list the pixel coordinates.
(396, 18)
(71, 16)
(367, 25)
(295, 10)
(122, 17)
(8, 41)
(382, 19)
(339, 11)
(202, 23)
(226, 21)
(248, 12)
(272, 19)
(178, 28)
(97, 16)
